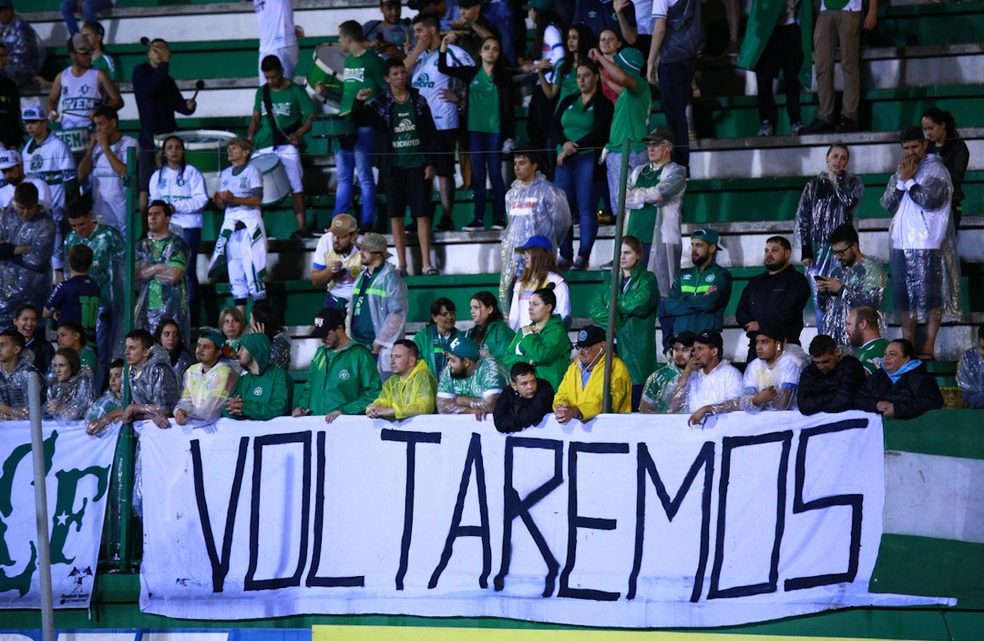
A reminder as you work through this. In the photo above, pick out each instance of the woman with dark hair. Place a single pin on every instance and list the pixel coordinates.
(263, 319)
(539, 271)
(490, 332)
(71, 392)
(609, 43)
(94, 32)
(168, 334)
(542, 342)
(580, 40)
(182, 186)
(941, 131)
(901, 388)
(488, 128)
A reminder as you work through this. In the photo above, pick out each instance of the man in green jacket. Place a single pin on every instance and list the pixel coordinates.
(343, 378)
(700, 293)
(262, 391)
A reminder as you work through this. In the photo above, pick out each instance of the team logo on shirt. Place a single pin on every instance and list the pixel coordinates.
(354, 75)
(423, 81)
(37, 161)
(282, 109)
(344, 375)
(710, 278)
(257, 391)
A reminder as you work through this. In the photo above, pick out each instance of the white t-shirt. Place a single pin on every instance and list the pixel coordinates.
(108, 192)
(244, 184)
(429, 81)
(275, 19)
(52, 162)
(784, 374)
(519, 310)
(644, 17)
(44, 194)
(660, 8)
(184, 190)
(351, 264)
(852, 5)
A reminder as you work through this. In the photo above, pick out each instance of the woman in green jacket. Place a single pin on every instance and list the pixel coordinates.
(490, 332)
(543, 343)
(635, 314)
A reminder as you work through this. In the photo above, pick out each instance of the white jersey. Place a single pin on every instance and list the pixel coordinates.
(44, 194)
(721, 384)
(242, 184)
(184, 190)
(52, 162)
(275, 19)
(784, 374)
(429, 81)
(79, 97)
(108, 192)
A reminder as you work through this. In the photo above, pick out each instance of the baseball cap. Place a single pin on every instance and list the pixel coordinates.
(33, 112)
(79, 44)
(213, 335)
(629, 60)
(374, 243)
(328, 318)
(590, 336)
(712, 338)
(911, 133)
(464, 347)
(343, 224)
(770, 329)
(686, 338)
(659, 135)
(536, 241)
(708, 235)
(10, 158)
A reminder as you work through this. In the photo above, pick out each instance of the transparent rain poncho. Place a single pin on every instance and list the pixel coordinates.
(13, 386)
(24, 278)
(109, 402)
(922, 221)
(665, 194)
(537, 209)
(970, 377)
(69, 400)
(154, 384)
(862, 285)
(824, 205)
(719, 389)
(784, 376)
(158, 299)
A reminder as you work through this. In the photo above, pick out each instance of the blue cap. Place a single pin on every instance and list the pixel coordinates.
(536, 241)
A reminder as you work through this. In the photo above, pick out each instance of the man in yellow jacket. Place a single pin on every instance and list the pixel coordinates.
(580, 393)
(410, 391)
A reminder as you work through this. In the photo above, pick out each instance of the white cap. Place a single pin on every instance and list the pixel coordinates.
(9, 158)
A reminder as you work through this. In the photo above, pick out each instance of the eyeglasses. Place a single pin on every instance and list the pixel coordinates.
(840, 252)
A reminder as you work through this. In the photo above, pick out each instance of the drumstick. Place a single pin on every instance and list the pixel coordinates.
(199, 85)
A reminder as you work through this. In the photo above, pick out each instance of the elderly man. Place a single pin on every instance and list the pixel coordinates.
(27, 239)
(655, 195)
(831, 382)
(970, 373)
(25, 51)
(410, 391)
(777, 296)
(525, 402)
(162, 258)
(924, 267)
(700, 293)
(263, 391)
(14, 374)
(207, 383)
(337, 263)
(581, 391)
(342, 378)
(470, 384)
(536, 208)
(708, 380)
(378, 313)
(856, 281)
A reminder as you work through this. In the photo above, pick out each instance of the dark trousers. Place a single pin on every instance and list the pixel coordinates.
(784, 51)
(405, 188)
(675, 80)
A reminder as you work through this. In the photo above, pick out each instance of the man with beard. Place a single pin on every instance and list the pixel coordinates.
(337, 262)
(656, 391)
(470, 384)
(708, 382)
(777, 297)
(857, 281)
(864, 335)
(700, 293)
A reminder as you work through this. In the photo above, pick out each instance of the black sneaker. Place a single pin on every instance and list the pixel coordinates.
(445, 224)
(475, 225)
(411, 228)
(498, 225)
(846, 126)
(818, 126)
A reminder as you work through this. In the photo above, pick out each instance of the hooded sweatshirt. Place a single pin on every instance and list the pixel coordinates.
(265, 395)
(343, 379)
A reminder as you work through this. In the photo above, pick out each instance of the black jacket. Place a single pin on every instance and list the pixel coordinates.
(514, 413)
(778, 299)
(10, 114)
(158, 98)
(914, 394)
(601, 126)
(503, 81)
(378, 113)
(831, 392)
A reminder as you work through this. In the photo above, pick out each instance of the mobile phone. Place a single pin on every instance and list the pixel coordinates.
(818, 277)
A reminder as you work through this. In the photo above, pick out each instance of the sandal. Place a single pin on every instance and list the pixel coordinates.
(431, 271)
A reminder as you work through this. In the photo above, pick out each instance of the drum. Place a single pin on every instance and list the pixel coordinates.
(328, 68)
(77, 139)
(205, 149)
(276, 186)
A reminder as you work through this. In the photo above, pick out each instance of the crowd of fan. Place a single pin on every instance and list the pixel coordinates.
(403, 83)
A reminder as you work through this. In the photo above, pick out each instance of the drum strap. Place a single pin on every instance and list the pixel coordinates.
(279, 135)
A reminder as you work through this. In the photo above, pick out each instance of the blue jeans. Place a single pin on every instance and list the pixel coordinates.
(90, 9)
(192, 236)
(500, 15)
(576, 178)
(485, 150)
(355, 161)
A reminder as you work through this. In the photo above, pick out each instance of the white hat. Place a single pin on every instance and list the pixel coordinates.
(9, 158)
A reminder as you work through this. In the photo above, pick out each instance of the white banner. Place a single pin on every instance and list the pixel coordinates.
(629, 521)
(77, 481)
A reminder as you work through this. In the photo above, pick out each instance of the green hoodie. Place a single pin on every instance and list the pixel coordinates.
(549, 351)
(345, 379)
(265, 395)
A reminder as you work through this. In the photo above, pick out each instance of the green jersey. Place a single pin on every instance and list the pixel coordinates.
(108, 255)
(361, 72)
(631, 119)
(483, 104)
(642, 221)
(484, 382)
(406, 136)
(291, 107)
(870, 354)
(106, 63)
(577, 121)
(659, 385)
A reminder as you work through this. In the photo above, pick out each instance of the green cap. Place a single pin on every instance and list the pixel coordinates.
(464, 347)
(630, 61)
(708, 235)
(209, 333)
